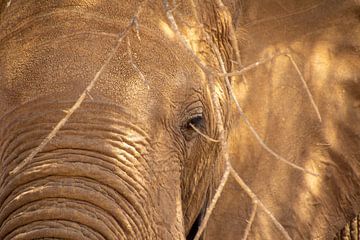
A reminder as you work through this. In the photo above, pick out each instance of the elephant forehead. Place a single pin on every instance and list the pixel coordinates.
(146, 86)
(152, 67)
(149, 72)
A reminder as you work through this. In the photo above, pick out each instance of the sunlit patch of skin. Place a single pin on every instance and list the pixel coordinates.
(220, 92)
(309, 205)
(179, 216)
(282, 65)
(8, 3)
(193, 36)
(321, 59)
(92, 2)
(279, 64)
(345, 71)
(166, 30)
(313, 183)
(240, 89)
(271, 51)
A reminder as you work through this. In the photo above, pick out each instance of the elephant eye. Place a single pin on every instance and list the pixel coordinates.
(192, 126)
(196, 122)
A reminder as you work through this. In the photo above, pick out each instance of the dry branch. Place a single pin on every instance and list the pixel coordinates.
(135, 67)
(250, 67)
(251, 220)
(253, 196)
(214, 200)
(203, 135)
(182, 40)
(305, 86)
(82, 97)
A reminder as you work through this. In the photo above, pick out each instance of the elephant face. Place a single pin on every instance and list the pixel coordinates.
(126, 162)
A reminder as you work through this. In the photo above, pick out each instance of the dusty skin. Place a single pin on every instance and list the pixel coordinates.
(116, 121)
(323, 38)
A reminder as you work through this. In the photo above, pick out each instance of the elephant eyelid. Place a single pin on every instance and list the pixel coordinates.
(193, 120)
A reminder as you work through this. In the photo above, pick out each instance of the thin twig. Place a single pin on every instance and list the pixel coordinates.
(210, 74)
(253, 196)
(234, 42)
(181, 38)
(305, 86)
(250, 67)
(135, 67)
(259, 139)
(250, 221)
(268, 59)
(89, 95)
(204, 135)
(137, 27)
(214, 200)
(80, 100)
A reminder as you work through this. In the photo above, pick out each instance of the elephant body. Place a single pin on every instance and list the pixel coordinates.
(109, 128)
(323, 37)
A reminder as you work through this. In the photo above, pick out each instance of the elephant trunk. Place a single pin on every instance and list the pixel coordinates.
(68, 206)
(90, 182)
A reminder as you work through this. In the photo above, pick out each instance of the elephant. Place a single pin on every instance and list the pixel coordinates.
(113, 118)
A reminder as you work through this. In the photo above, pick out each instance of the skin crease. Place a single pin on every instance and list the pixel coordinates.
(127, 165)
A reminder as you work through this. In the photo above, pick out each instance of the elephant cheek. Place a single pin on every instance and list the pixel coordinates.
(91, 182)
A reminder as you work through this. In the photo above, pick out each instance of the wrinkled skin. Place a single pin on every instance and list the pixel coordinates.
(324, 39)
(127, 164)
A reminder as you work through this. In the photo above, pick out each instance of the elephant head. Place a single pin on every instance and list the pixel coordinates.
(104, 142)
